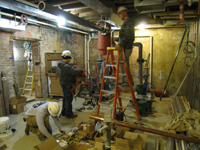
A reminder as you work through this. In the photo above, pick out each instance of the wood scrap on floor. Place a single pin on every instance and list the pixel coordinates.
(187, 121)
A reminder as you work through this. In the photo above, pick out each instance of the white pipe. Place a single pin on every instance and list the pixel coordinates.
(151, 56)
(151, 61)
(88, 53)
(43, 23)
(85, 52)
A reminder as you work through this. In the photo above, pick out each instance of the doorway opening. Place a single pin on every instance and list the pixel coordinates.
(24, 74)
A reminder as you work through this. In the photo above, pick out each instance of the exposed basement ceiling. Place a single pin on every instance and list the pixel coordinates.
(153, 11)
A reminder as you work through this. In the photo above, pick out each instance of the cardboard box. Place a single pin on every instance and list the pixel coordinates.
(124, 144)
(99, 146)
(132, 141)
(90, 135)
(103, 138)
(120, 131)
(49, 144)
(81, 133)
(17, 104)
(55, 88)
(81, 123)
(78, 146)
(90, 127)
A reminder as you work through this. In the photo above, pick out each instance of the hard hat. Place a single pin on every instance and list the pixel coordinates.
(53, 108)
(66, 54)
(121, 8)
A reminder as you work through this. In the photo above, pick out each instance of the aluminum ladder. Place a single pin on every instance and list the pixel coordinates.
(28, 83)
(115, 65)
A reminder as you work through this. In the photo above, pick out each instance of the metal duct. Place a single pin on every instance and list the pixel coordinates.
(56, 11)
(26, 9)
(42, 23)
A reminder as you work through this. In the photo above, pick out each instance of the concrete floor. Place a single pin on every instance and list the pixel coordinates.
(19, 141)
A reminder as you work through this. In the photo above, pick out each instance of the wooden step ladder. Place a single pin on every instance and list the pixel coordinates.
(115, 66)
(28, 76)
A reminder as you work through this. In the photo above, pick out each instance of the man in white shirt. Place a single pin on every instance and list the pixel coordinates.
(37, 118)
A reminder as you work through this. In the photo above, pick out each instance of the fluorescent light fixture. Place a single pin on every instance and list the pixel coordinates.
(115, 28)
(61, 21)
(142, 26)
(9, 24)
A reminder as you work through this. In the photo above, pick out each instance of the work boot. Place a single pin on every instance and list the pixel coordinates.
(72, 116)
(42, 138)
(27, 129)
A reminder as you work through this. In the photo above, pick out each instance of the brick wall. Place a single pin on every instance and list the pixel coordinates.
(7, 64)
(47, 42)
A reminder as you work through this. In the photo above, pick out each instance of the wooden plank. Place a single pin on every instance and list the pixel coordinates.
(150, 130)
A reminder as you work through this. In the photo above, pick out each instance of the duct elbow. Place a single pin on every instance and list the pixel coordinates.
(181, 18)
(139, 45)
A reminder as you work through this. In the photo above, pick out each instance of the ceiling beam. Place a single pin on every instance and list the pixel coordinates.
(177, 17)
(97, 6)
(57, 12)
(192, 12)
(73, 6)
(123, 2)
(82, 10)
(92, 17)
(34, 12)
(61, 2)
(89, 14)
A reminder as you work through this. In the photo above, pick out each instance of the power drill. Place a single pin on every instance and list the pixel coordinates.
(80, 109)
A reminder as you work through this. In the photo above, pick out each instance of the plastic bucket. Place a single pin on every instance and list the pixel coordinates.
(4, 125)
(5, 137)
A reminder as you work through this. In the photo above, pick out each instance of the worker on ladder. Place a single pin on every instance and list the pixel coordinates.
(126, 35)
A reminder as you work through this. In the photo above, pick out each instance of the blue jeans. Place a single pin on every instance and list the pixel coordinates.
(67, 100)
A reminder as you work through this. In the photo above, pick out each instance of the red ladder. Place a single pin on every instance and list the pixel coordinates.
(116, 78)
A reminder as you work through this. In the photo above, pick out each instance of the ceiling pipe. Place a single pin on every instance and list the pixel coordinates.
(56, 11)
(42, 23)
(27, 3)
(181, 17)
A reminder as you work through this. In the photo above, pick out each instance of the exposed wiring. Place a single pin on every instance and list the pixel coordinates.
(189, 47)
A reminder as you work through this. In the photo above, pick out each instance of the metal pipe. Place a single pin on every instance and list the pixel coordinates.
(151, 56)
(170, 144)
(88, 56)
(179, 109)
(182, 82)
(140, 60)
(56, 11)
(173, 64)
(150, 130)
(151, 61)
(42, 23)
(181, 17)
(85, 52)
(183, 143)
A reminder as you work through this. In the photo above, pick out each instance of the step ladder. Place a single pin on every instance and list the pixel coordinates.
(115, 65)
(31, 77)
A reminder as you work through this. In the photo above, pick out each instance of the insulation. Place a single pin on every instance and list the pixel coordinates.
(187, 121)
